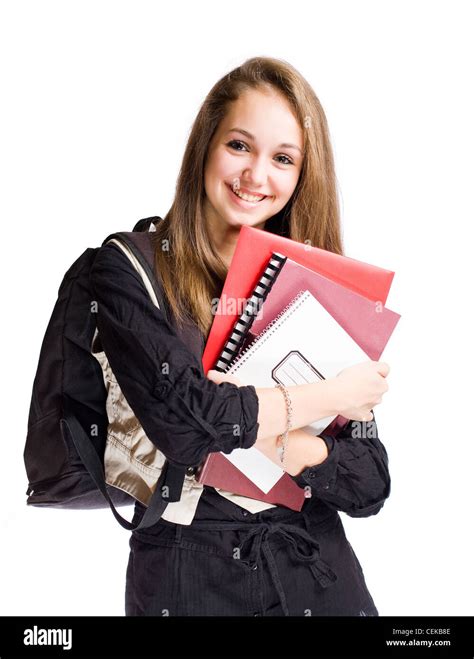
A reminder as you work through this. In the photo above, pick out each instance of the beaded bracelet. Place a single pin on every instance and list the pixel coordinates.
(289, 411)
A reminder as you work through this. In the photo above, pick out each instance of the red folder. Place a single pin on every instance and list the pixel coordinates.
(217, 471)
(369, 324)
(254, 248)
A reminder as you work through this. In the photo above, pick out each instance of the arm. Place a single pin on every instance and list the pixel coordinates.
(303, 450)
(349, 472)
(182, 412)
(354, 478)
(309, 402)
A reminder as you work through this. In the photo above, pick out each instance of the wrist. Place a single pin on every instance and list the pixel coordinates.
(303, 451)
(333, 396)
(316, 452)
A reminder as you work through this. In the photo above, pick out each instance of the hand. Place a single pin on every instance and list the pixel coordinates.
(360, 388)
(218, 378)
(302, 450)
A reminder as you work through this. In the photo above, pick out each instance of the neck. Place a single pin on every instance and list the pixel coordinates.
(224, 236)
(225, 242)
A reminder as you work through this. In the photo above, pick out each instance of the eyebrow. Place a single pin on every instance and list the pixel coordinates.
(285, 145)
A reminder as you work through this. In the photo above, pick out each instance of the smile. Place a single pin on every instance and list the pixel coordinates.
(249, 198)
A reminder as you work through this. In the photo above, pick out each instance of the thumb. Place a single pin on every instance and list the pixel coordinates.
(218, 378)
(215, 376)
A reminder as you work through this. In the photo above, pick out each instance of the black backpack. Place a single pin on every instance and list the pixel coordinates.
(64, 463)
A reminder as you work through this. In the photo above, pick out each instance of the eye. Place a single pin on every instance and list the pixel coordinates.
(233, 142)
(290, 162)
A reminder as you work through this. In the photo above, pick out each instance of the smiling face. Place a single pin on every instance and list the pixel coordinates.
(254, 162)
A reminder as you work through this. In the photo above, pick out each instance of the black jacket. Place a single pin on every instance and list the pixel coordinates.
(187, 416)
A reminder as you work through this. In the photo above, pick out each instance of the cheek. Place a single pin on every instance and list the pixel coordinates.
(221, 165)
(211, 176)
(286, 185)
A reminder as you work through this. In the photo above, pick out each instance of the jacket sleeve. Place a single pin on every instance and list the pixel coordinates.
(354, 478)
(182, 412)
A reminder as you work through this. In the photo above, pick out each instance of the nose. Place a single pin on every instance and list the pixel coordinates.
(255, 175)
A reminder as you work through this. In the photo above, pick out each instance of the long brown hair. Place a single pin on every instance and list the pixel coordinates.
(190, 269)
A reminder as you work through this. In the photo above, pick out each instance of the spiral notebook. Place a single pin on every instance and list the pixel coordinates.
(302, 344)
(293, 349)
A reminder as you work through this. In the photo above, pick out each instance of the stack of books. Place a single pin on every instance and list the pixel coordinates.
(308, 314)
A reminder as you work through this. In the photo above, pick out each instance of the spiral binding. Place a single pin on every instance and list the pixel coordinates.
(254, 303)
(296, 302)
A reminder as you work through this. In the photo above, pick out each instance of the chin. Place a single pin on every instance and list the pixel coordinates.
(243, 220)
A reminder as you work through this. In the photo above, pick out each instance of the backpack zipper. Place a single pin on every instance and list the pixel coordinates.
(32, 487)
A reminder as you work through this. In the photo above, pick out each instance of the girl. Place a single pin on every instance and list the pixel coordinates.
(258, 154)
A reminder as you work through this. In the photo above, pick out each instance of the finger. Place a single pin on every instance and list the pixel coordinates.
(215, 376)
(219, 378)
(233, 380)
(383, 368)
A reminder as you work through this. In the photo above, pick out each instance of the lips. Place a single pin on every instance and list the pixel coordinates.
(252, 194)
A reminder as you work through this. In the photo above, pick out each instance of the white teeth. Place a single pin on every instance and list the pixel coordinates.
(247, 197)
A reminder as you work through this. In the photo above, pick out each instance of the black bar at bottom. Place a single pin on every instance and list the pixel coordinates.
(231, 637)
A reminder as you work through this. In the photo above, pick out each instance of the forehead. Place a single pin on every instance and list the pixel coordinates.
(265, 114)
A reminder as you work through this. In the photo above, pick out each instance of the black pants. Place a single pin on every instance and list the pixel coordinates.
(230, 562)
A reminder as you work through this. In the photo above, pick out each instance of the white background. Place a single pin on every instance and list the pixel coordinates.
(97, 102)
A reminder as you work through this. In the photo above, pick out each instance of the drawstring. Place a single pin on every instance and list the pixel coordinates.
(320, 570)
(299, 540)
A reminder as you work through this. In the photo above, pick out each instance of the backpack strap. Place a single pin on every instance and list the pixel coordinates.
(170, 480)
(147, 224)
(138, 247)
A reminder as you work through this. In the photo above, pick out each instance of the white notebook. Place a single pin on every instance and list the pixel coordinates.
(302, 344)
